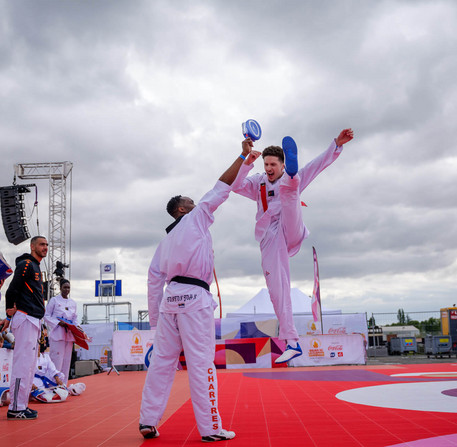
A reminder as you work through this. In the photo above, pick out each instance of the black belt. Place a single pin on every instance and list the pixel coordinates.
(192, 281)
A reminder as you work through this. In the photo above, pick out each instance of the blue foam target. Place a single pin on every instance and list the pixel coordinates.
(147, 357)
(251, 128)
(5, 269)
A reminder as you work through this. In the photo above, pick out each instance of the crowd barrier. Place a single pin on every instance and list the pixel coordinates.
(130, 348)
(248, 341)
(6, 359)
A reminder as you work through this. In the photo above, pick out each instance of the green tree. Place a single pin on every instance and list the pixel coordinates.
(431, 326)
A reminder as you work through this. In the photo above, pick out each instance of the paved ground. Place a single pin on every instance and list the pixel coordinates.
(410, 359)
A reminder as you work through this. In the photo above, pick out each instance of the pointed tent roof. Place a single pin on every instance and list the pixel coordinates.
(261, 304)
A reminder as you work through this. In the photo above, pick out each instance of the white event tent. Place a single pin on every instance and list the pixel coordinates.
(260, 306)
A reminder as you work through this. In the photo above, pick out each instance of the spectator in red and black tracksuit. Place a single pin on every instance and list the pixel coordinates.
(25, 308)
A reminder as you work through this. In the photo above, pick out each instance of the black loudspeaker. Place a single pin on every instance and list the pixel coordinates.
(13, 213)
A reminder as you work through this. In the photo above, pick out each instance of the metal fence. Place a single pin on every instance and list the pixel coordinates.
(429, 321)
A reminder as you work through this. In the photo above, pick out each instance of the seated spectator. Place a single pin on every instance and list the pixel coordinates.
(48, 385)
(6, 340)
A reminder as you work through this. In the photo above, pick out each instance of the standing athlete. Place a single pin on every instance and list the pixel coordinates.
(25, 304)
(279, 228)
(60, 338)
(184, 312)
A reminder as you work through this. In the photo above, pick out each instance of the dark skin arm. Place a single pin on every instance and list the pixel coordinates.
(230, 174)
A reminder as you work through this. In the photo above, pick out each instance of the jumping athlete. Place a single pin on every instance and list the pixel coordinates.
(60, 339)
(279, 223)
(183, 314)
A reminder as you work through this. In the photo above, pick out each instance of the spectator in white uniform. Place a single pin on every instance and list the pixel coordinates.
(60, 338)
(46, 373)
(183, 314)
(48, 382)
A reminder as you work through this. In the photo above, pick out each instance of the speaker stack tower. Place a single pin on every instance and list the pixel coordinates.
(13, 213)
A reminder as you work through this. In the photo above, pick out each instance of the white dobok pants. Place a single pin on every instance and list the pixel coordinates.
(26, 336)
(60, 353)
(282, 240)
(195, 333)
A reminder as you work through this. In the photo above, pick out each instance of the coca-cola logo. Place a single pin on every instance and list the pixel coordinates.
(335, 348)
(338, 331)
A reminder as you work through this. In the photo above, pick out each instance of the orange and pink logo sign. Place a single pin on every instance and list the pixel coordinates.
(137, 347)
(315, 349)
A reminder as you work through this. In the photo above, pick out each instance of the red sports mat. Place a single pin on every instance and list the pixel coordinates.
(283, 412)
(293, 407)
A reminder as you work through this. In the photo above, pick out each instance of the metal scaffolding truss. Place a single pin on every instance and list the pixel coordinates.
(111, 312)
(107, 292)
(57, 174)
(142, 315)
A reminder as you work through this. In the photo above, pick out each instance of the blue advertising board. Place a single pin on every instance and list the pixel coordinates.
(106, 291)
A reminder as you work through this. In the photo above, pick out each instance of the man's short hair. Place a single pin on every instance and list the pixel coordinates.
(35, 238)
(173, 205)
(274, 151)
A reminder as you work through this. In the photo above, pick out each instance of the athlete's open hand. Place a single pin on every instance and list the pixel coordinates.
(345, 136)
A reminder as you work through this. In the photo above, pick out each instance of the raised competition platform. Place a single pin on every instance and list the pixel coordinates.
(381, 405)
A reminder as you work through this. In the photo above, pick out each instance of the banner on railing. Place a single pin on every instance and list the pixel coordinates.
(130, 347)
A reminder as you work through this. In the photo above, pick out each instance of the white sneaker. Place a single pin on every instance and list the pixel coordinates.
(223, 435)
(289, 354)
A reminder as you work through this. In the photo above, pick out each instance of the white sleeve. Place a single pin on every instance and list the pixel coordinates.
(49, 318)
(316, 166)
(203, 212)
(156, 282)
(215, 197)
(246, 186)
(74, 316)
(52, 371)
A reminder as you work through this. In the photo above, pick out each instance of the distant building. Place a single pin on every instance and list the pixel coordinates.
(389, 332)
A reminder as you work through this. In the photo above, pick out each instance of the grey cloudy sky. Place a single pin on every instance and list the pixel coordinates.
(146, 99)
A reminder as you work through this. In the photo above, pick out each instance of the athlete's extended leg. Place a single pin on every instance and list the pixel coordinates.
(291, 214)
(275, 266)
